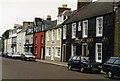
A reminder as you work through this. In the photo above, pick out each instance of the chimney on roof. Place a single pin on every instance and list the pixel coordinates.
(63, 8)
(48, 17)
(64, 5)
(81, 3)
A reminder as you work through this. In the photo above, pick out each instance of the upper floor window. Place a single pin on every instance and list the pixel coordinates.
(99, 26)
(79, 26)
(64, 31)
(42, 39)
(48, 38)
(85, 29)
(58, 34)
(74, 30)
(53, 34)
(35, 39)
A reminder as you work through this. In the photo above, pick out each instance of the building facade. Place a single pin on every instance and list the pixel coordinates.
(29, 38)
(39, 35)
(90, 33)
(54, 35)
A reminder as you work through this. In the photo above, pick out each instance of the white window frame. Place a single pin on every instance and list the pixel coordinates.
(47, 36)
(96, 51)
(56, 52)
(47, 50)
(79, 26)
(83, 34)
(53, 34)
(64, 31)
(73, 30)
(97, 27)
(58, 34)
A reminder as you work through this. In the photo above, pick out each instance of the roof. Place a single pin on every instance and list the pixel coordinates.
(54, 27)
(91, 10)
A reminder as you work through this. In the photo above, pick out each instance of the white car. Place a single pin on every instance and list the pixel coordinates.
(16, 55)
(28, 56)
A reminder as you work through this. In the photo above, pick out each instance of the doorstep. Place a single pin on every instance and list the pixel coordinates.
(53, 62)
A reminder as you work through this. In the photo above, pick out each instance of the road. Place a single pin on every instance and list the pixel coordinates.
(17, 69)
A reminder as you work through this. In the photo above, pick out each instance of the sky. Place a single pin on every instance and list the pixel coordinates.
(16, 11)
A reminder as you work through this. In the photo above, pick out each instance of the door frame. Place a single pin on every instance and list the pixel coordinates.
(96, 53)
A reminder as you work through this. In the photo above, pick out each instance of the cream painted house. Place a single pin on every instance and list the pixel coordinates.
(20, 41)
(53, 43)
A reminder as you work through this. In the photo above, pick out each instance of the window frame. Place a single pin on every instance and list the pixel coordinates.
(64, 31)
(73, 30)
(97, 27)
(84, 28)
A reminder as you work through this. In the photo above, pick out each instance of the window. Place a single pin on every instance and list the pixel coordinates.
(53, 34)
(35, 39)
(57, 51)
(58, 34)
(64, 31)
(85, 29)
(98, 52)
(48, 51)
(47, 36)
(99, 26)
(79, 26)
(64, 17)
(117, 62)
(74, 30)
(111, 61)
(42, 39)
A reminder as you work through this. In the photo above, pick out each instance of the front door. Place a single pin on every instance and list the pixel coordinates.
(52, 53)
(85, 51)
(64, 52)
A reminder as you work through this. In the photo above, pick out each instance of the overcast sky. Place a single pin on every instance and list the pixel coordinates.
(16, 11)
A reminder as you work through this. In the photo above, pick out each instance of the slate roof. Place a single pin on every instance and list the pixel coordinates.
(91, 10)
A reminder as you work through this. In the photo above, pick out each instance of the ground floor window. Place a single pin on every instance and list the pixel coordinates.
(48, 51)
(57, 52)
(98, 52)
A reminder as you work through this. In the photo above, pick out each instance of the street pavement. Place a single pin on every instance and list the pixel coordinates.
(17, 69)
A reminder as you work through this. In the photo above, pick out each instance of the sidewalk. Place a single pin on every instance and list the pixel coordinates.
(53, 62)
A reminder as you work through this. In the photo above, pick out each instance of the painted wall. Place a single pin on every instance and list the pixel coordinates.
(53, 44)
(38, 45)
(20, 42)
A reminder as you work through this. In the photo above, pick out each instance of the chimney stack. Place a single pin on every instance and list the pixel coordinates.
(63, 8)
(81, 3)
(49, 17)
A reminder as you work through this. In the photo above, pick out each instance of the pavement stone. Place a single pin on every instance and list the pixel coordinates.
(53, 62)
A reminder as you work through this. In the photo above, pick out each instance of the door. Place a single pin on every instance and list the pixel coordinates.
(41, 52)
(52, 53)
(85, 51)
(64, 52)
(73, 50)
(98, 55)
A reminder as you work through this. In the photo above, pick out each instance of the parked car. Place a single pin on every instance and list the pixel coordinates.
(84, 64)
(4, 54)
(28, 56)
(0, 53)
(112, 67)
(16, 55)
(8, 54)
